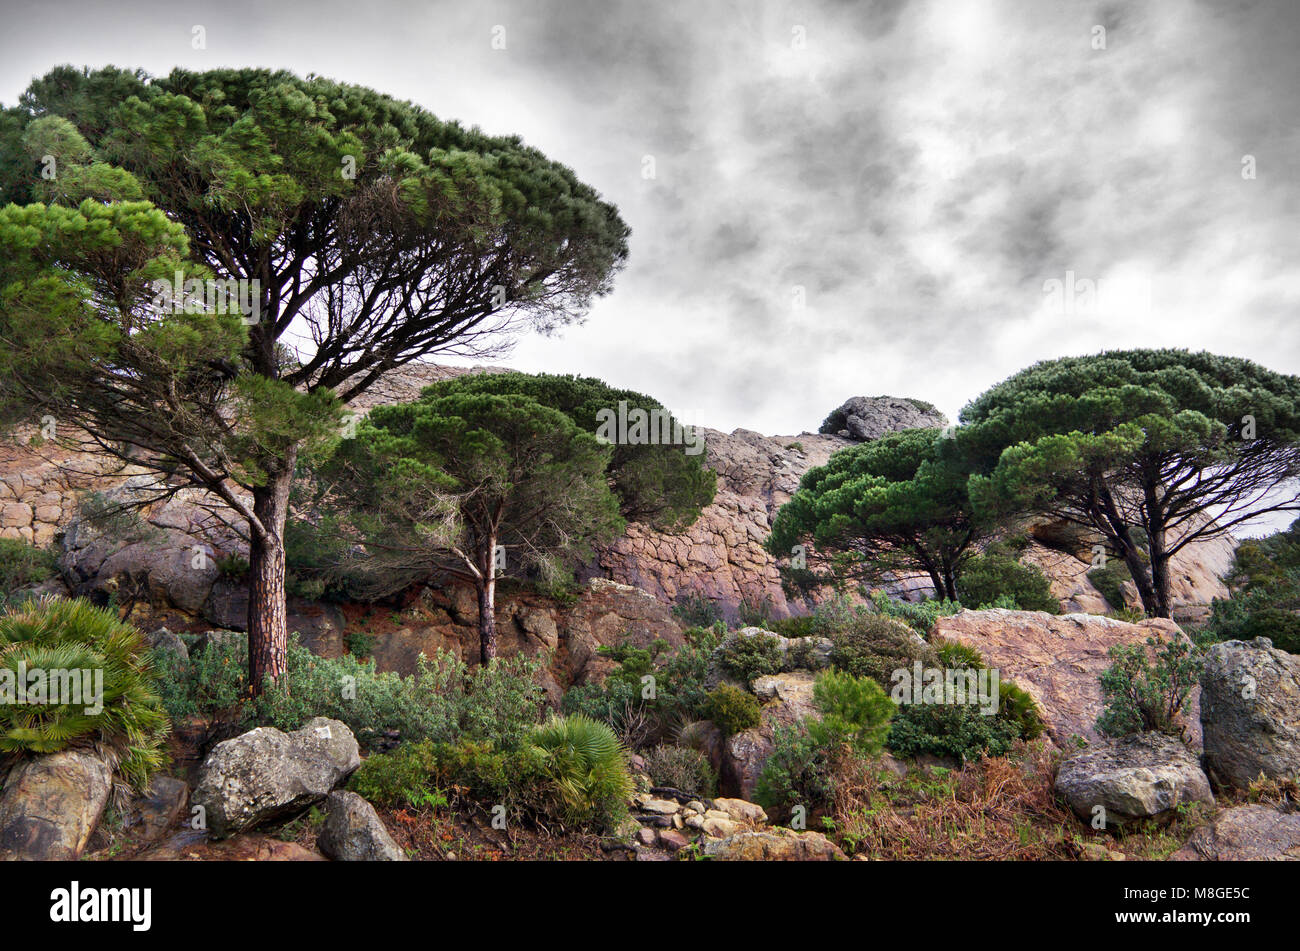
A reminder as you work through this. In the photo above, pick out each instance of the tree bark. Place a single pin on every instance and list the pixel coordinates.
(268, 630)
(487, 619)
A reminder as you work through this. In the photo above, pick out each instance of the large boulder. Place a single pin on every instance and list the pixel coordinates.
(265, 774)
(864, 418)
(1250, 711)
(51, 804)
(773, 845)
(1144, 776)
(353, 832)
(1255, 833)
(1059, 659)
(788, 698)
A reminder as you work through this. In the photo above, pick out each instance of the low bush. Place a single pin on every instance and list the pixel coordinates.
(799, 772)
(918, 615)
(875, 646)
(681, 767)
(748, 657)
(754, 611)
(957, 730)
(23, 564)
(587, 771)
(985, 578)
(855, 712)
(733, 710)
(1141, 695)
(693, 609)
(121, 715)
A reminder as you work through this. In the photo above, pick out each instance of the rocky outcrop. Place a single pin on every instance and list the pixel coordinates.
(788, 698)
(353, 831)
(1254, 833)
(1250, 710)
(51, 805)
(864, 418)
(774, 845)
(1059, 659)
(1145, 776)
(265, 774)
(248, 847)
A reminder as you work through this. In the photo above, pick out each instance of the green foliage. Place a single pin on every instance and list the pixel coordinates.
(875, 646)
(747, 657)
(1138, 441)
(694, 609)
(898, 503)
(732, 709)
(438, 484)
(398, 778)
(919, 615)
(954, 655)
(659, 484)
(855, 712)
(800, 771)
(444, 702)
(623, 700)
(986, 578)
(360, 642)
(1018, 708)
(587, 767)
(1266, 598)
(681, 767)
(957, 730)
(234, 567)
(1141, 695)
(23, 564)
(1109, 580)
(57, 637)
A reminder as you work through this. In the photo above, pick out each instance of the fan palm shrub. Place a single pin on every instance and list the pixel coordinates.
(586, 766)
(125, 723)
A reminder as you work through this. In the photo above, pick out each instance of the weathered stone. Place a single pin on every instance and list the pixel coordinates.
(1250, 710)
(1059, 660)
(1144, 776)
(353, 831)
(1254, 833)
(746, 753)
(159, 809)
(265, 774)
(773, 845)
(51, 804)
(740, 810)
(672, 840)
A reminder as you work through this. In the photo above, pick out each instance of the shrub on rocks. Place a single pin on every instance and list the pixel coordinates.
(126, 722)
(986, 578)
(733, 710)
(1142, 695)
(875, 646)
(681, 767)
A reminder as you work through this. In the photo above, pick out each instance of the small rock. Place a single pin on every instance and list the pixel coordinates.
(646, 837)
(354, 832)
(740, 810)
(672, 840)
(1245, 834)
(773, 845)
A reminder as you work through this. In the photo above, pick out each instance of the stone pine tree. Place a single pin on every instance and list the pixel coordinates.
(200, 269)
(897, 504)
(1154, 449)
(468, 486)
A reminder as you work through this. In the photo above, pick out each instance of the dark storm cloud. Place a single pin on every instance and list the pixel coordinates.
(849, 197)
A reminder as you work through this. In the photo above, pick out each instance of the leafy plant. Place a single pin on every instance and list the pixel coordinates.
(58, 637)
(855, 712)
(587, 767)
(984, 578)
(747, 657)
(733, 710)
(23, 564)
(1144, 696)
(875, 646)
(681, 767)
(694, 609)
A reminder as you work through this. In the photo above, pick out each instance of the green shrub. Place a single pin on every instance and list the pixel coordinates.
(733, 710)
(681, 767)
(23, 564)
(444, 702)
(875, 646)
(1018, 708)
(954, 655)
(587, 769)
(855, 712)
(55, 636)
(986, 577)
(360, 642)
(950, 729)
(747, 657)
(1143, 696)
(1110, 580)
(805, 625)
(400, 778)
(1280, 626)
(800, 772)
(918, 615)
(623, 700)
(693, 609)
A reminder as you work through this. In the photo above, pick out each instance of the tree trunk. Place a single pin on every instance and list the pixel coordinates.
(1159, 572)
(487, 619)
(268, 629)
(1141, 578)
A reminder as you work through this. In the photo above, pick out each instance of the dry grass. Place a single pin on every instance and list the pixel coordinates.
(998, 808)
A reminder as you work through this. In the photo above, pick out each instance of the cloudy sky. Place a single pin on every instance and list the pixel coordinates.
(847, 198)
